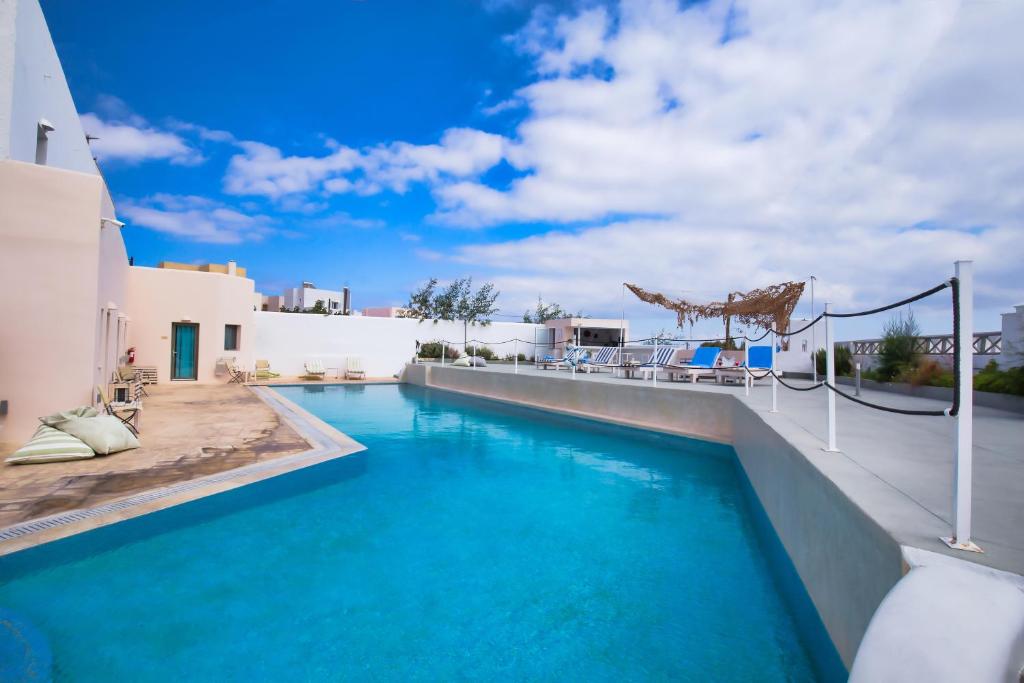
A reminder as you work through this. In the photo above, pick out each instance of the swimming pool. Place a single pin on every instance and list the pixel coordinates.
(470, 540)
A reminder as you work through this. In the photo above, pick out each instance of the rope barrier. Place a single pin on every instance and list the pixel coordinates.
(951, 411)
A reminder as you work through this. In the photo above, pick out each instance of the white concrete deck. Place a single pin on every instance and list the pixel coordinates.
(911, 456)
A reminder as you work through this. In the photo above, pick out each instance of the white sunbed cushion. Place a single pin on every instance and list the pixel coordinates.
(105, 434)
(461, 362)
(50, 445)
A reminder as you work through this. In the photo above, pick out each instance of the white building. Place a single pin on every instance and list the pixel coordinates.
(306, 296)
(63, 335)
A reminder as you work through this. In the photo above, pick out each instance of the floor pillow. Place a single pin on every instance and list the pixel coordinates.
(57, 418)
(50, 445)
(105, 434)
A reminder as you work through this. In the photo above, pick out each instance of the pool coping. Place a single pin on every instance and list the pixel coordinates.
(326, 443)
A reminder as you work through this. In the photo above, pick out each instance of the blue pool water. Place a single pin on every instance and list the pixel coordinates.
(472, 540)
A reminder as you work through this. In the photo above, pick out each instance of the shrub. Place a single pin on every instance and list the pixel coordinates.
(991, 378)
(510, 357)
(433, 350)
(482, 351)
(844, 361)
(927, 373)
(896, 353)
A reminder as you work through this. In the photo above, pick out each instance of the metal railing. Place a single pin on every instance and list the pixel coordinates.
(985, 344)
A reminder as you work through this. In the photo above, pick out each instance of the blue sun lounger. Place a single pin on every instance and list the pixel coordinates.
(701, 365)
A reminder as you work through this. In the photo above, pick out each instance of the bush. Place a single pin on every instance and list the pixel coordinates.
(991, 378)
(510, 357)
(927, 373)
(844, 361)
(896, 353)
(482, 351)
(433, 350)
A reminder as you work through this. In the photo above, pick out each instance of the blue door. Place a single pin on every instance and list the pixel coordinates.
(184, 350)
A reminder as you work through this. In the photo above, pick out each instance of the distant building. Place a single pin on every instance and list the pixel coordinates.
(385, 312)
(229, 268)
(305, 297)
(273, 304)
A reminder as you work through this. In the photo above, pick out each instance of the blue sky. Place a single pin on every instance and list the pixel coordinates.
(563, 148)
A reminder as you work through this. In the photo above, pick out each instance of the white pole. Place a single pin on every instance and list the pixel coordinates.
(748, 379)
(964, 450)
(654, 364)
(830, 377)
(515, 355)
(775, 382)
(444, 346)
(814, 337)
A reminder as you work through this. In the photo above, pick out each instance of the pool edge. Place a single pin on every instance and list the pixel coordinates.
(326, 443)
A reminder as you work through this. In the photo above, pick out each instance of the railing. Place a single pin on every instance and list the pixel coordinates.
(985, 344)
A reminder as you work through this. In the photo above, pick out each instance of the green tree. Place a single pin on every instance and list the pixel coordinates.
(319, 307)
(545, 312)
(896, 353)
(457, 301)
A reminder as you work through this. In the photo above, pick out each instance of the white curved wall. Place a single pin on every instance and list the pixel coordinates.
(287, 340)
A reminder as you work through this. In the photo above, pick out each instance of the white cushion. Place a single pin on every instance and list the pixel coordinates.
(105, 434)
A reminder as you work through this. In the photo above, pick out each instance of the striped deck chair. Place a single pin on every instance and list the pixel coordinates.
(603, 359)
(314, 369)
(569, 359)
(659, 359)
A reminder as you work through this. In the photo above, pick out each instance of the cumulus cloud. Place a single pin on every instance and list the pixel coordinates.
(136, 141)
(869, 142)
(263, 170)
(195, 218)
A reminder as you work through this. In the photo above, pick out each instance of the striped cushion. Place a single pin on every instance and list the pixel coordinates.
(50, 445)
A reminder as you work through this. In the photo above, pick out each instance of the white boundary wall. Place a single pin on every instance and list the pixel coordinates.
(287, 340)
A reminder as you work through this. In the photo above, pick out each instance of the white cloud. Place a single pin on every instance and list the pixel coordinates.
(136, 141)
(263, 170)
(195, 218)
(813, 142)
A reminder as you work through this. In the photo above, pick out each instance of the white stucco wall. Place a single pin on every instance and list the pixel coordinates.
(1013, 339)
(158, 297)
(33, 87)
(287, 340)
(50, 246)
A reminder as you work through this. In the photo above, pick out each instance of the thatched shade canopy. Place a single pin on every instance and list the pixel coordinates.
(767, 308)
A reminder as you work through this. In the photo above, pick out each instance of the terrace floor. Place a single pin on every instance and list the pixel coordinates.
(912, 455)
(187, 431)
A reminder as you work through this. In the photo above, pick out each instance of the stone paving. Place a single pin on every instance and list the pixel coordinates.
(188, 431)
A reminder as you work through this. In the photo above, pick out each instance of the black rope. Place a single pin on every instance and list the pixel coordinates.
(794, 388)
(909, 300)
(889, 409)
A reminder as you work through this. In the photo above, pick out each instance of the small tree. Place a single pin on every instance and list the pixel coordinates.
(896, 352)
(545, 312)
(457, 301)
(319, 307)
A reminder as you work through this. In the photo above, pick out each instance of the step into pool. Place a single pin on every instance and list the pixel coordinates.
(471, 540)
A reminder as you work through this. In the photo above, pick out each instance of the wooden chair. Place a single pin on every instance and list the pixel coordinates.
(127, 413)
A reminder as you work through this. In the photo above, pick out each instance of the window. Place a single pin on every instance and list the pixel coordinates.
(231, 335)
